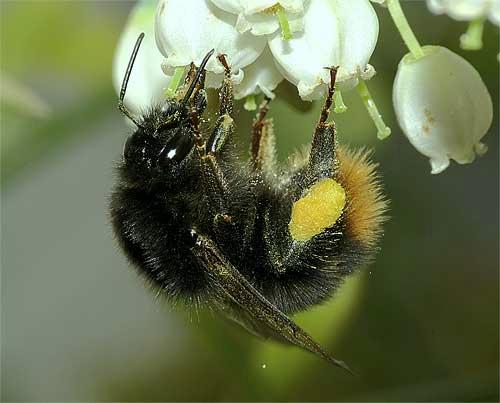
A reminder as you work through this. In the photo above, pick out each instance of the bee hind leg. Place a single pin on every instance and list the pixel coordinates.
(322, 158)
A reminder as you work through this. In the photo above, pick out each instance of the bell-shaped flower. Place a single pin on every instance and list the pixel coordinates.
(261, 76)
(467, 10)
(336, 33)
(147, 81)
(186, 30)
(264, 17)
(442, 106)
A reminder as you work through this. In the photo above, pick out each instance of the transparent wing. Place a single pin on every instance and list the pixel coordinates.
(248, 306)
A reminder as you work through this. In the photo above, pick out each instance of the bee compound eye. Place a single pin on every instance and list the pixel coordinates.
(176, 149)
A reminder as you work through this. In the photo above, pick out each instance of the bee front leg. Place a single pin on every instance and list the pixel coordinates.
(213, 177)
(213, 180)
(224, 126)
(199, 98)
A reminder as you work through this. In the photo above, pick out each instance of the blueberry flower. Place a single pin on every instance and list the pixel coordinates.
(442, 106)
(335, 33)
(186, 30)
(441, 102)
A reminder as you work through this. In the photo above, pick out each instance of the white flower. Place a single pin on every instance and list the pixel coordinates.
(467, 10)
(186, 30)
(443, 106)
(259, 16)
(336, 33)
(261, 76)
(147, 82)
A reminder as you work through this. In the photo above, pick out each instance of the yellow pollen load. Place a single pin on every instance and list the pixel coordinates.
(319, 209)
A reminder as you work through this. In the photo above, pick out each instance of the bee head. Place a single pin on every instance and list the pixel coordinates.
(158, 153)
(160, 149)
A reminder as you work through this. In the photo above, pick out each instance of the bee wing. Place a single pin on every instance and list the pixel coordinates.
(259, 313)
(233, 312)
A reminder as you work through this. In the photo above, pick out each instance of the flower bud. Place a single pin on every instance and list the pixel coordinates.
(442, 106)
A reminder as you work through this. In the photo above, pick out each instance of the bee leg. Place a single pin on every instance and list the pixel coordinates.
(226, 92)
(222, 132)
(231, 285)
(190, 75)
(322, 160)
(213, 180)
(199, 95)
(212, 176)
(262, 147)
(224, 127)
(187, 80)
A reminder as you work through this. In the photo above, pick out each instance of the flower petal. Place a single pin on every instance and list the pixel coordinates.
(261, 76)
(186, 30)
(147, 81)
(257, 6)
(341, 33)
(442, 106)
(290, 6)
(230, 6)
(258, 17)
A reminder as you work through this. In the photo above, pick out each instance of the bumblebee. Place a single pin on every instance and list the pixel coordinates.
(252, 240)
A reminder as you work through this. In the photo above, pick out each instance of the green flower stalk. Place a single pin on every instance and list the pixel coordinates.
(338, 101)
(473, 38)
(383, 131)
(404, 28)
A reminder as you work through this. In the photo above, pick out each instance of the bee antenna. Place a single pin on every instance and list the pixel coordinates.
(126, 78)
(197, 77)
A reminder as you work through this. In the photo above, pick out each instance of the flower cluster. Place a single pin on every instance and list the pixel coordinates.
(266, 41)
(441, 103)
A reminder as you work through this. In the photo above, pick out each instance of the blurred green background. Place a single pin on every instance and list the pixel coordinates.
(420, 324)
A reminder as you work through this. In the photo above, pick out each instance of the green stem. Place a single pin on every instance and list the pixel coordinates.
(174, 82)
(338, 102)
(404, 28)
(472, 39)
(382, 130)
(286, 32)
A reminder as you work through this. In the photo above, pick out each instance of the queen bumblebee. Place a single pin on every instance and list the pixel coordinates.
(244, 237)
